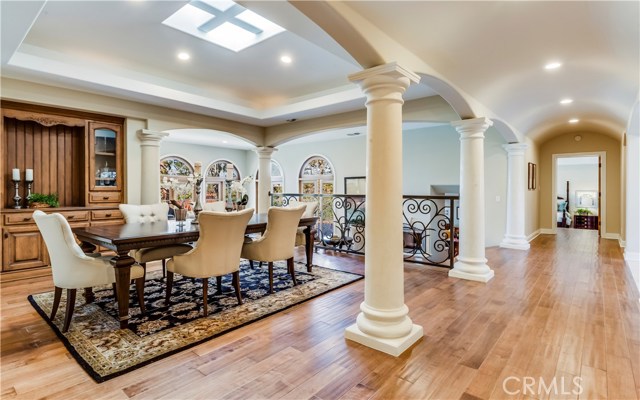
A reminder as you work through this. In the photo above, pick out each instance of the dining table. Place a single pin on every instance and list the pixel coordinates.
(126, 237)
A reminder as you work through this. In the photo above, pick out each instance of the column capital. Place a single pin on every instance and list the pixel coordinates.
(385, 82)
(515, 148)
(391, 69)
(151, 138)
(265, 151)
(469, 127)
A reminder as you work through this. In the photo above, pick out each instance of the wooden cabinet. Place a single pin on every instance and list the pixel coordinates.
(105, 172)
(585, 221)
(23, 248)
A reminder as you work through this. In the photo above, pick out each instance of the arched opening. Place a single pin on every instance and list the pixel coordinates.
(215, 176)
(176, 180)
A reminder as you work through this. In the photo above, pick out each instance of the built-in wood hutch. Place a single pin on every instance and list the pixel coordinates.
(74, 154)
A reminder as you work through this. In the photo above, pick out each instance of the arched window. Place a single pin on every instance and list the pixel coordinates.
(277, 182)
(176, 180)
(316, 176)
(215, 176)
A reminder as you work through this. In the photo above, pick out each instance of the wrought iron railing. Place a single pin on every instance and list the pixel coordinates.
(430, 233)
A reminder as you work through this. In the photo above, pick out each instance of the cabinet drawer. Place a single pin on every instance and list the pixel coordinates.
(104, 197)
(105, 214)
(73, 216)
(21, 218)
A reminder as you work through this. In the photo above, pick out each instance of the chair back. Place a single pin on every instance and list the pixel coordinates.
(64, 252)
(215, 206)
(280, 236)
(217, 251)
(136, 214)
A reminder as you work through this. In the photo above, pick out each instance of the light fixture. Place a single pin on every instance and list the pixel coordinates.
(184, 56)
(566, 101)
(286, 59)
(577, 138)
(553, 65)
(225, 141)
(574, 120)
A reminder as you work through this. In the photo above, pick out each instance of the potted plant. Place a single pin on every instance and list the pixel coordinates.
(40, 200)
(583, 211)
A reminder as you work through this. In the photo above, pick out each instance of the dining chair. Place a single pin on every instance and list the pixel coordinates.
(215, 206)
(149, 214)
(278, 240)
(216, 253)
(72, 269)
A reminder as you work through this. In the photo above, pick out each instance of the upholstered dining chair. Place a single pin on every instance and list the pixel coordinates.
(215, 206)
(310, 211)
(278, 240)
(149, 214)
(216, 253)
(72, 269)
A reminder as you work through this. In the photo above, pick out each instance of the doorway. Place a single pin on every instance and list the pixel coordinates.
(578, 188)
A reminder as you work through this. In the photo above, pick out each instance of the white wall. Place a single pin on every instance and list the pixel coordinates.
(495, 187)
(580, 177)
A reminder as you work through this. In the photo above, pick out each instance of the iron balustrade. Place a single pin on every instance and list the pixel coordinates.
(429, 236)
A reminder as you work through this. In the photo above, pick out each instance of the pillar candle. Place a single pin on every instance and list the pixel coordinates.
(28, 175)
(197, 167)
(16, 174)
(229, 171)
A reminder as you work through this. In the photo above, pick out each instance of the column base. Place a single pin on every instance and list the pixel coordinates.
(472, 271)
(517, 243)
(395, 347)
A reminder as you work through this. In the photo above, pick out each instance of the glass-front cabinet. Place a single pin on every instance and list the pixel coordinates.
(104, 172)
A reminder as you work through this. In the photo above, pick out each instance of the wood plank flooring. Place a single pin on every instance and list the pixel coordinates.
(559, 321)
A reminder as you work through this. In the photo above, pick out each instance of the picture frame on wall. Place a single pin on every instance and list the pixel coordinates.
(531, 176)
(355, 185)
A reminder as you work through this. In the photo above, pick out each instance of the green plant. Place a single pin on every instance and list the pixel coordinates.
(50, 199)
(583, 211)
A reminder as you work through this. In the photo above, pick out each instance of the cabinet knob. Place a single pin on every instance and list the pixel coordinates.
(107, 215)
(70, 216)
(105, 198)
(25, 219)
(6, 235)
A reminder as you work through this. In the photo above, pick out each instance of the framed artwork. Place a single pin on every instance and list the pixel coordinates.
(355, 185)
(531, 176)
(586, 198)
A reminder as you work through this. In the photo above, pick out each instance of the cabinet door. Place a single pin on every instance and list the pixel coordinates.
(105, 171)
(23, 248)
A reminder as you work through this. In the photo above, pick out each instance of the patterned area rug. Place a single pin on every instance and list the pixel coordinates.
(105, 351)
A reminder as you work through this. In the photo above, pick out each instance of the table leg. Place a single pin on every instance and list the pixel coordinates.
(122, 264)
(89, 297)
(309, 235)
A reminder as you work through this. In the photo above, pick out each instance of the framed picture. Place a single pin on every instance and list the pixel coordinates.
(586, 198)
(531, 176)
(355, 185)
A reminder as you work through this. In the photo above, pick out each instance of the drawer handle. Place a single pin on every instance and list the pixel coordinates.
(70, 217)
(105, 198)
(107, 215)
(25, 219)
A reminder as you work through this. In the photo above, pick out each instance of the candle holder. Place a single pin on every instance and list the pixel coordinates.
(28, 197)
(17, 197)
(198, 207)
(229, 203)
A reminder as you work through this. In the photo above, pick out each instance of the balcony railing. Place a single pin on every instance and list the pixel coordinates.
(430, 233)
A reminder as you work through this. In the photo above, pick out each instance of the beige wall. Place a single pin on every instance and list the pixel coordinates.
(591, 142)
(532, 197)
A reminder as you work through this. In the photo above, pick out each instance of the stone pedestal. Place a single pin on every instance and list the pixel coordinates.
(384, 323)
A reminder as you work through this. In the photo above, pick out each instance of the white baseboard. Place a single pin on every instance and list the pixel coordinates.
(533, 235)
(614, 236)
(632, 260)
(546, 231)
(622, 243)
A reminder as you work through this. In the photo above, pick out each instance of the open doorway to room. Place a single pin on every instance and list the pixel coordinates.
(578, 188)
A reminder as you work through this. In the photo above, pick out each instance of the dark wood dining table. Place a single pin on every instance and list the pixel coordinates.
(127, 237)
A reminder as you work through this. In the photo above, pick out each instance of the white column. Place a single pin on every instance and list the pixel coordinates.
(264, 176)
(632, 234)
(150, 159)
(471, 263)
(514, 237)
(383, 323)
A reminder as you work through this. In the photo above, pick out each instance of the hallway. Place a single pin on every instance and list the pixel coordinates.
(564, 310)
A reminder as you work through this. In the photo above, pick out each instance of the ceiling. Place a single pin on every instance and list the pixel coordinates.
(491, 53)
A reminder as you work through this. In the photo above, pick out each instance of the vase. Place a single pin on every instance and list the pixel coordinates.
(181, 214)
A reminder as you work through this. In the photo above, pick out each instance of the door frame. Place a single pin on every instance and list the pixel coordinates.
(602, 218)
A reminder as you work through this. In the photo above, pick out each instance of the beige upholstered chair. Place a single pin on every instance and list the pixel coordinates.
(310, 211)
(72, 269)
(149, 214)
(216, 253)
(219, 206)
(278, 240)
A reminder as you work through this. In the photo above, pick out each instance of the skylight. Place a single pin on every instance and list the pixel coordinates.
(224, 23)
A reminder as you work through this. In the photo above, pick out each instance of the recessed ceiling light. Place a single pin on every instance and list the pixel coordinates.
(553, 65)
(566, 101)
(574, 120)
(286, 59)
(225, 141)
(184, 56)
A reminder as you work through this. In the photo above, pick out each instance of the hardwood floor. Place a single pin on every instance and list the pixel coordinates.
(560, 319)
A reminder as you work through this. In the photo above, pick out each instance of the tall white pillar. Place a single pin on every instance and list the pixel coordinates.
(383, 323)
(471, 263)
(264, 175)
(632, 228)
(514, 237)
(150, 168)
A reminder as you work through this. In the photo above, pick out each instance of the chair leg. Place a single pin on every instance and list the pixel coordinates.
(236, 285)
(270, 277)
(205, 295)
(251, 264)
(292, 270)
(71, 303)
(219, 283)
(169, 284)
(57, 294)
(140, 291)
(164, 268)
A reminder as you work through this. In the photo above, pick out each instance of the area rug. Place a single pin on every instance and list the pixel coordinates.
(105, 351)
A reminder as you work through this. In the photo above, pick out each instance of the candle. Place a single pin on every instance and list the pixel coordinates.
(198, 167)
(28, 175)
(229, 171)
(16, 174)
